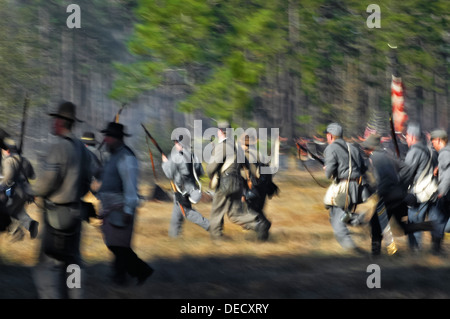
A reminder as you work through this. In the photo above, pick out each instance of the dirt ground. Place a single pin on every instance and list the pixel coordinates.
(301, 259)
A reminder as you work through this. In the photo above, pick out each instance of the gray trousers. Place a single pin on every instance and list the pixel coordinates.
(341, 231)
(233, 207)
(176, 223)
(51, 277)
(51, 273)
(16, 209)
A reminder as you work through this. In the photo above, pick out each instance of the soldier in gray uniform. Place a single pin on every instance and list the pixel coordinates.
(416, 161)
(183, 169)
(258, 187)
(61, 182)
(337, 166)
(119, 200)
(439, 139)
(229, 189)
(383, 170)
(17, 170)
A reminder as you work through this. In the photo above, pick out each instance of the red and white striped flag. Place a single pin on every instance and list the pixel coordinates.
(399, 115)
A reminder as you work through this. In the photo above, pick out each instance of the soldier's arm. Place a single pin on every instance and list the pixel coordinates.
(407, 171)
(444, 172)
(169, 168)
(8, 172)
(331, 163)
(49, 175)
(216, 161)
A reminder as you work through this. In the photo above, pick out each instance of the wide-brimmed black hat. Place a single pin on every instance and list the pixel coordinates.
(372, 142)
(89, 138)
(115, 130)
(10, 144)
(67, 111)
(3, 134)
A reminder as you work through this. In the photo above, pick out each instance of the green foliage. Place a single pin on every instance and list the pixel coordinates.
(227, 48)
(19, 67)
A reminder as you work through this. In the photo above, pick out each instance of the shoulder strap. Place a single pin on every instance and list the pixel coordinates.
(349, 174)
(228, 161)
(194, 172)
(84, 156)
(424, 172)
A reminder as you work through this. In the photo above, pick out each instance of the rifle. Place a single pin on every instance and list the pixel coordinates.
(153, 140)
(116, 118)
(162, 153)
(394, 136)
(317, 158)
(24, 113)
(26, 102)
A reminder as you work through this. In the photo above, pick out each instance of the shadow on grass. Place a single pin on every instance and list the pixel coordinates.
(247, 277)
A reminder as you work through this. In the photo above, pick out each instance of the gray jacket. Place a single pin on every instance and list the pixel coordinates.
(337, 161)
(65, 174)
(337, 166)
(120, 181)
(416, 161)
(444, 170)
(180, 169)
(223, 150)
(386, 170)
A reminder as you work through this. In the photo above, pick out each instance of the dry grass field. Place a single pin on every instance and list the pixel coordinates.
(301, 259)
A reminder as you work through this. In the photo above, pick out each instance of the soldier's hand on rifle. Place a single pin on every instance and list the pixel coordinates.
(435, 172)
(164, 158)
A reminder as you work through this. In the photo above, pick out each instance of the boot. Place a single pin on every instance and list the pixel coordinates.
(392, 248)
(263, 230)
(376, 248)
(436, 246)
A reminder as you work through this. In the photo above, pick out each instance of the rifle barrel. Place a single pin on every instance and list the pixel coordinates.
(153, 140)
(394, 136)
(317, 158)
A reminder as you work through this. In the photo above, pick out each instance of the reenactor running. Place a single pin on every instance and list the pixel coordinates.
(384, 181)
(184, 169)
(419, 162)
(17, 171)
(61, 182)
(439, 139)
(120, 199)
(339, 156)
(258, 186)
(224, 172)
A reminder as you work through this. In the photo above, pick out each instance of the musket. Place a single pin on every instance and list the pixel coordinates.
(317, 158)
(394, 136)
(162, 153)
(24, 114)
(116, 118)
(22, 134)
(153, 140)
